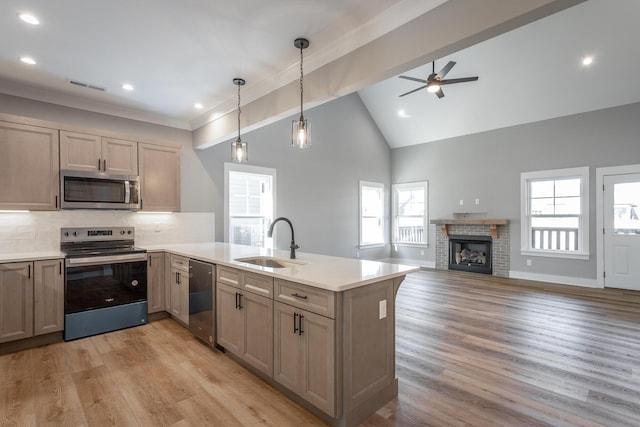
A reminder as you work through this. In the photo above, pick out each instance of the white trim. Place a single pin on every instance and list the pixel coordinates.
(551, 278)
(600, 174)
(236, 167)
(380, 186)
(525, 229)
(394, 210)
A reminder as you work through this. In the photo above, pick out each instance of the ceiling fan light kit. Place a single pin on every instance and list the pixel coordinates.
(301, 128)
(435, 81)
(239, 149)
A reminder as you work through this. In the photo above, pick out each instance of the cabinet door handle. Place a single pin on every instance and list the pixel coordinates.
(99, 164)
(299, 296)
(300, 323)
(56, 202)
(240, 301)
(295, 323)
(236, 301)
(104, 165)
(60, 266)
(29, 272)
(149, 261)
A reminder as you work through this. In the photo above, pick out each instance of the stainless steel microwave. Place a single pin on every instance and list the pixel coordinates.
(99, 190)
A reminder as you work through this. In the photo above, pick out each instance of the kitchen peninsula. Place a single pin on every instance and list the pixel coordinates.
(320, 329)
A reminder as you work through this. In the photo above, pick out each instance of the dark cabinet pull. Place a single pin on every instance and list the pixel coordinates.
(104, 165)
(236, 300)
(300, 322)
(295, 323)
(299, 296)
(29, 273)
(240, 296)
(98, 164)
(149, 261)
(60, 265)
(56, 202)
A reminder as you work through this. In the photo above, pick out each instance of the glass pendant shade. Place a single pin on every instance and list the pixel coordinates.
(239, 152)
(301, 133)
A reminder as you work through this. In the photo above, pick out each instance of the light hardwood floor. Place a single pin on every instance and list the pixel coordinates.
(471, 350)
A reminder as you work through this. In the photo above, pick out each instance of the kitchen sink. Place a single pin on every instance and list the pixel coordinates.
(267, 261)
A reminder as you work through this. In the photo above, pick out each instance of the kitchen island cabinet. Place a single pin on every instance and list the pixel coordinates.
(29, 167)
(333, 323)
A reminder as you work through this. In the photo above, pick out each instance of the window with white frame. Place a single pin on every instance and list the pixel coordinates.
(410, 213)
(249, 204)
(555, 213)
(371, 213)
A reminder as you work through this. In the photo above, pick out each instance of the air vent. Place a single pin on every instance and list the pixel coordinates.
(87, 85)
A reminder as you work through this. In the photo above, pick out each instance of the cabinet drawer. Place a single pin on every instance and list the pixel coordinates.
(180, 262)
(316, 300)
(258, 284)
(228, 275)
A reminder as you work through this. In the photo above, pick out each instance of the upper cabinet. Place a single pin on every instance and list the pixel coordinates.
(29, 167)
(159, 177)
(93, 153)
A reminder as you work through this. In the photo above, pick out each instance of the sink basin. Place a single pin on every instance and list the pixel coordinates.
(266, 261)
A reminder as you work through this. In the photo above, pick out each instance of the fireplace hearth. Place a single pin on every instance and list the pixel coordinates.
(470, 253)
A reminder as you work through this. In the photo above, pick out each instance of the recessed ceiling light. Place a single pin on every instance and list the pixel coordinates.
(587, 60)
(199, 106)
(127, 86)
(28, 60)
(28, 18)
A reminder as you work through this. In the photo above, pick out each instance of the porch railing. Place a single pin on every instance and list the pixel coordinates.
(562, 239)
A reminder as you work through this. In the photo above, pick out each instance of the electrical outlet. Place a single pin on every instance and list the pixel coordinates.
(156, 227)
(461, 202)
(382, 309)
(529, 263)
(422, 252)
(477, 201)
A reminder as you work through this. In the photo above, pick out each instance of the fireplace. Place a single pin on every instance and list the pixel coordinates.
(470, 253)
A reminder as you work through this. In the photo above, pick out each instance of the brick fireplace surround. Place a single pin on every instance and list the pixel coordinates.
(498, 229)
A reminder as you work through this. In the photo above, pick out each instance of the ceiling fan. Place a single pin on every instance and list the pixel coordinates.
(435, 81)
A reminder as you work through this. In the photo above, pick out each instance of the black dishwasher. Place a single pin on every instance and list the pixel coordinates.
(201, 301)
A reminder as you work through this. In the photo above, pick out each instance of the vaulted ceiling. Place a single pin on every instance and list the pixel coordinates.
(177, 54)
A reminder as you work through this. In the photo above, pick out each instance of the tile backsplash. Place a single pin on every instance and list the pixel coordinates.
(40, 231)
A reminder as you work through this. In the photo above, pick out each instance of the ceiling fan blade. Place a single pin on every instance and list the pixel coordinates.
(445, 70)
(439, 93)
(431, 77)
(411, 91)
(413, 79)
(460, 80)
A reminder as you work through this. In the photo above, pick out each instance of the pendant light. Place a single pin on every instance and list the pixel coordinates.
(239, 149)
(301, 128)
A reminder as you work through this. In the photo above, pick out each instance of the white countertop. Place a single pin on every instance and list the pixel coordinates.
(30, 256)
(326, 272)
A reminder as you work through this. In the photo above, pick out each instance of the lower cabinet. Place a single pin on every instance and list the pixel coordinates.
(156, 282)
(244, 326)
(179, 284)
(16, 301)
(304, 355)
(31, 299)
(48, 296)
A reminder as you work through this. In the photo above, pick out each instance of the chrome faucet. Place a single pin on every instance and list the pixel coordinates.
(293, 240)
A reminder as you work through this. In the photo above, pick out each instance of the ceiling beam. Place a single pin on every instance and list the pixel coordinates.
(453, 26)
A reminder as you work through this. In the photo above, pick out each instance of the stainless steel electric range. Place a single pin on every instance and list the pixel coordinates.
(105, 280)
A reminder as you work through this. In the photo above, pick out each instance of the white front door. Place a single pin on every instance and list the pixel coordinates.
(622, 231)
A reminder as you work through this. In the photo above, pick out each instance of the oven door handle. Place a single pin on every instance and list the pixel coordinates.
(107, 259)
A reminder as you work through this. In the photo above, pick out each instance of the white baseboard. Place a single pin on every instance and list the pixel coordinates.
(406, 261)
(550, 278)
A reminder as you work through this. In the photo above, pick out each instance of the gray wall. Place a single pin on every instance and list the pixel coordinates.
(487, 166)
(317, 189)
(194, 180)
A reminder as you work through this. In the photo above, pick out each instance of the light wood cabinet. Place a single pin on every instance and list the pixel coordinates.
(94, 153)
(304, 353)
(29, 167)
(156, 282)
(179, 284)
(244, 316)
(16, 301)
(48, 296)
(159, 178)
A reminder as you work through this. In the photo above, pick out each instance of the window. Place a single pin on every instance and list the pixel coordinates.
(249, 204)
(555, 213)
(410, 214)
(371, 213)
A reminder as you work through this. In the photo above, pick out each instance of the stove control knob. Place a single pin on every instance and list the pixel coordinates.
(121, 231)
(129, 232)
(75, 233)
(66, 234)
